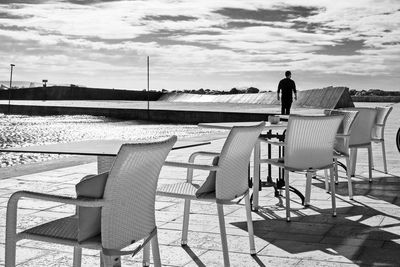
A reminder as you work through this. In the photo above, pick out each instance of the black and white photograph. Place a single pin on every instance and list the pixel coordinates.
(188, 133)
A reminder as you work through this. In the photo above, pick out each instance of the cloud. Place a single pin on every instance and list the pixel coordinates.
(279, 13)
(345, 47)
(88, 2)
(226, 38)
(5, 15)
(168, 17)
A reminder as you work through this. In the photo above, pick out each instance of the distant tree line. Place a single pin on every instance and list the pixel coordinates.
(373, 92)
(201, 91)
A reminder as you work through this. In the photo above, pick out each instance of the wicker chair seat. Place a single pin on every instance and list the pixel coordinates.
(61, 231)
(64, 228)
(183, 190)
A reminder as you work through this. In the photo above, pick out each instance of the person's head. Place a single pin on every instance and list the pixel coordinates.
(288, 74)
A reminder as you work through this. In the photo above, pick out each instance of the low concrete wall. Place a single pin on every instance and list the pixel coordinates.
(77, 93)
(329, 97)
(162, 116)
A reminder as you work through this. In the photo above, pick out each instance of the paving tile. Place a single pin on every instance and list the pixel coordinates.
(324, 263)
(179, 256)
(215, 258)
(352, 242)
(23, 255)
(361, 232)
(193, 227)
(379, 257)
(314, 251)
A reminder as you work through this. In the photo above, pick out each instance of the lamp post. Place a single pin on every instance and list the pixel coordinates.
(9, 92)
(148, 88)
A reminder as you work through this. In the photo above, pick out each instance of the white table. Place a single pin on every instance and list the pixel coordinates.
(105, 150)
(281, 126)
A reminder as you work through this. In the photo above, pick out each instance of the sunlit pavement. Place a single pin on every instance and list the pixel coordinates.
(365, 232)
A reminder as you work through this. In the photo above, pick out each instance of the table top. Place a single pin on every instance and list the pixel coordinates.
(91, 147)
(229, 125)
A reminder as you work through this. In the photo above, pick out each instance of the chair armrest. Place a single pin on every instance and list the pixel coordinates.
(189, 165)
(11, 217)
(344, 136)
(275, 143)
(203, 153)
(193, 156)
(83, 202)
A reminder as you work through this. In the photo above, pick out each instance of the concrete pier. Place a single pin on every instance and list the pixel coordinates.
(182, 108)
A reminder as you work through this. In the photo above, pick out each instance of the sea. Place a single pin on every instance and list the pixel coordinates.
(23, 130)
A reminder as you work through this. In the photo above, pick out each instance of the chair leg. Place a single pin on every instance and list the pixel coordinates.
(308, 189)
(256, 174)
(287, 194)
(326, 181)
(156, 251)
(11, 233)
(146, 255)
(77, 261)
(370, 163)
(336, 172)
(222, 229)
(185, 226)
(384, 157)
(353, 161)
(10, 252)
(349, 180)
(372, 160)
(250, 225)
(333, 196)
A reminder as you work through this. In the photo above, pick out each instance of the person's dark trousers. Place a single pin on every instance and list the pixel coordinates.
(285, 108)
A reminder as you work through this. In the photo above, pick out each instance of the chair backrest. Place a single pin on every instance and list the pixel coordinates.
(345, 128)
(361, 131)
(130, 192)
(232, 176)
(309, 141)
(380, 122)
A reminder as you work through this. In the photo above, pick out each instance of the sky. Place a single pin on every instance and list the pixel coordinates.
(210, 44)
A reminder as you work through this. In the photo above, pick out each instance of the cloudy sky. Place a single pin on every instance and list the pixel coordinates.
(216, 44)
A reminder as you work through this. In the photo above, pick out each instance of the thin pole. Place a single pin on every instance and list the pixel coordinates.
(148, 87)
(9, 92)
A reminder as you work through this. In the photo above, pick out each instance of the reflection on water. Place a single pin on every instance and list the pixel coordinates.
(21, 130)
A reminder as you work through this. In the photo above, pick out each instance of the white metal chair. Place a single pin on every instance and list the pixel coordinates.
(127, 209)
(341, 145)
(361, 136)
(308, 148)
(378, 132)
(231, 181)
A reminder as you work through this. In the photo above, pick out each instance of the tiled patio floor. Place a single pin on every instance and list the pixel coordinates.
(366, 231)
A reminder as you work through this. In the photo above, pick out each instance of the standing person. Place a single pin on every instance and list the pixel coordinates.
(288, 87)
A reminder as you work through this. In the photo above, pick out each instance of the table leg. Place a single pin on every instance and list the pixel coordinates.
(269, 178)
(256, 174)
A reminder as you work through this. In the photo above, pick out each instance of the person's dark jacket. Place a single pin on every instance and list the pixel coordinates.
(288, 87)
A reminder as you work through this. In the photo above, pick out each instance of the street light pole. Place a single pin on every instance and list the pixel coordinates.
(9, 92)
(148, 88)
